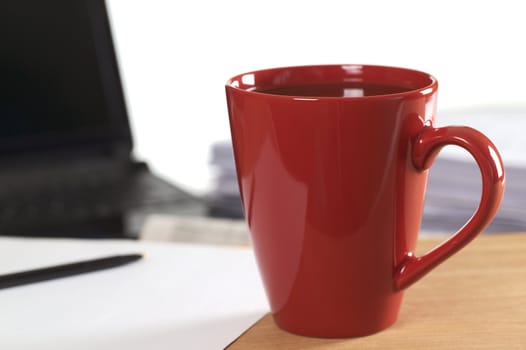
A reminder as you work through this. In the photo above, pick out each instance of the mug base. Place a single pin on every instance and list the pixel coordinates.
(343, 330)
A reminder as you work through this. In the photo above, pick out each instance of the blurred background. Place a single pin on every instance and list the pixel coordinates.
(175, 58)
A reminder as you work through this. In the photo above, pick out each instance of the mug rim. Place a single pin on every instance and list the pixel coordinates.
(245, 82)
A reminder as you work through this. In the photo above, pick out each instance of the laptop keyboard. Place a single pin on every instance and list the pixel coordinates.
(70, 199)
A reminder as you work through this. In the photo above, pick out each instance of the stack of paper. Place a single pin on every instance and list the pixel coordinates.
(224, 199)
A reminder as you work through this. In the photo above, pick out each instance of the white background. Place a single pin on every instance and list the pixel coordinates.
(175, 57)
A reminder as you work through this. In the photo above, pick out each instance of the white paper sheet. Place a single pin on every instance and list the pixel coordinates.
(180, 296)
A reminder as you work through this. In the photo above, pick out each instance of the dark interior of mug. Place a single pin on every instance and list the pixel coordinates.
(334, 81)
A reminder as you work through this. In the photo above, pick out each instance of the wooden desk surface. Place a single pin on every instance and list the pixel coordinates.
(475, 300)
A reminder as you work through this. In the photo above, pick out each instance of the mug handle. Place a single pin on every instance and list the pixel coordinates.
(425, 148)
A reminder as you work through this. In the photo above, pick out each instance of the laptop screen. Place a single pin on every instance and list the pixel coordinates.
(60, 89)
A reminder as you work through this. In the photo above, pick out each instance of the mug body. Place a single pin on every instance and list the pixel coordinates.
(329, 191)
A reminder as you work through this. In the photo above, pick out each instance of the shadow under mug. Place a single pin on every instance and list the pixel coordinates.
(332, 163)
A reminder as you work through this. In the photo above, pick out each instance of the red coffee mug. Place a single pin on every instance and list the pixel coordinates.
(332, 163)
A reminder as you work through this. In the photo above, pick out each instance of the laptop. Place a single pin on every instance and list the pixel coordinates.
(66, 149)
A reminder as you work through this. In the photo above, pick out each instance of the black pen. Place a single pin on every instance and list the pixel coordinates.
(59, 271)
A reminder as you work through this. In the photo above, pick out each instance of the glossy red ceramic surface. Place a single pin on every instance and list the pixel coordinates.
(333, 189)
